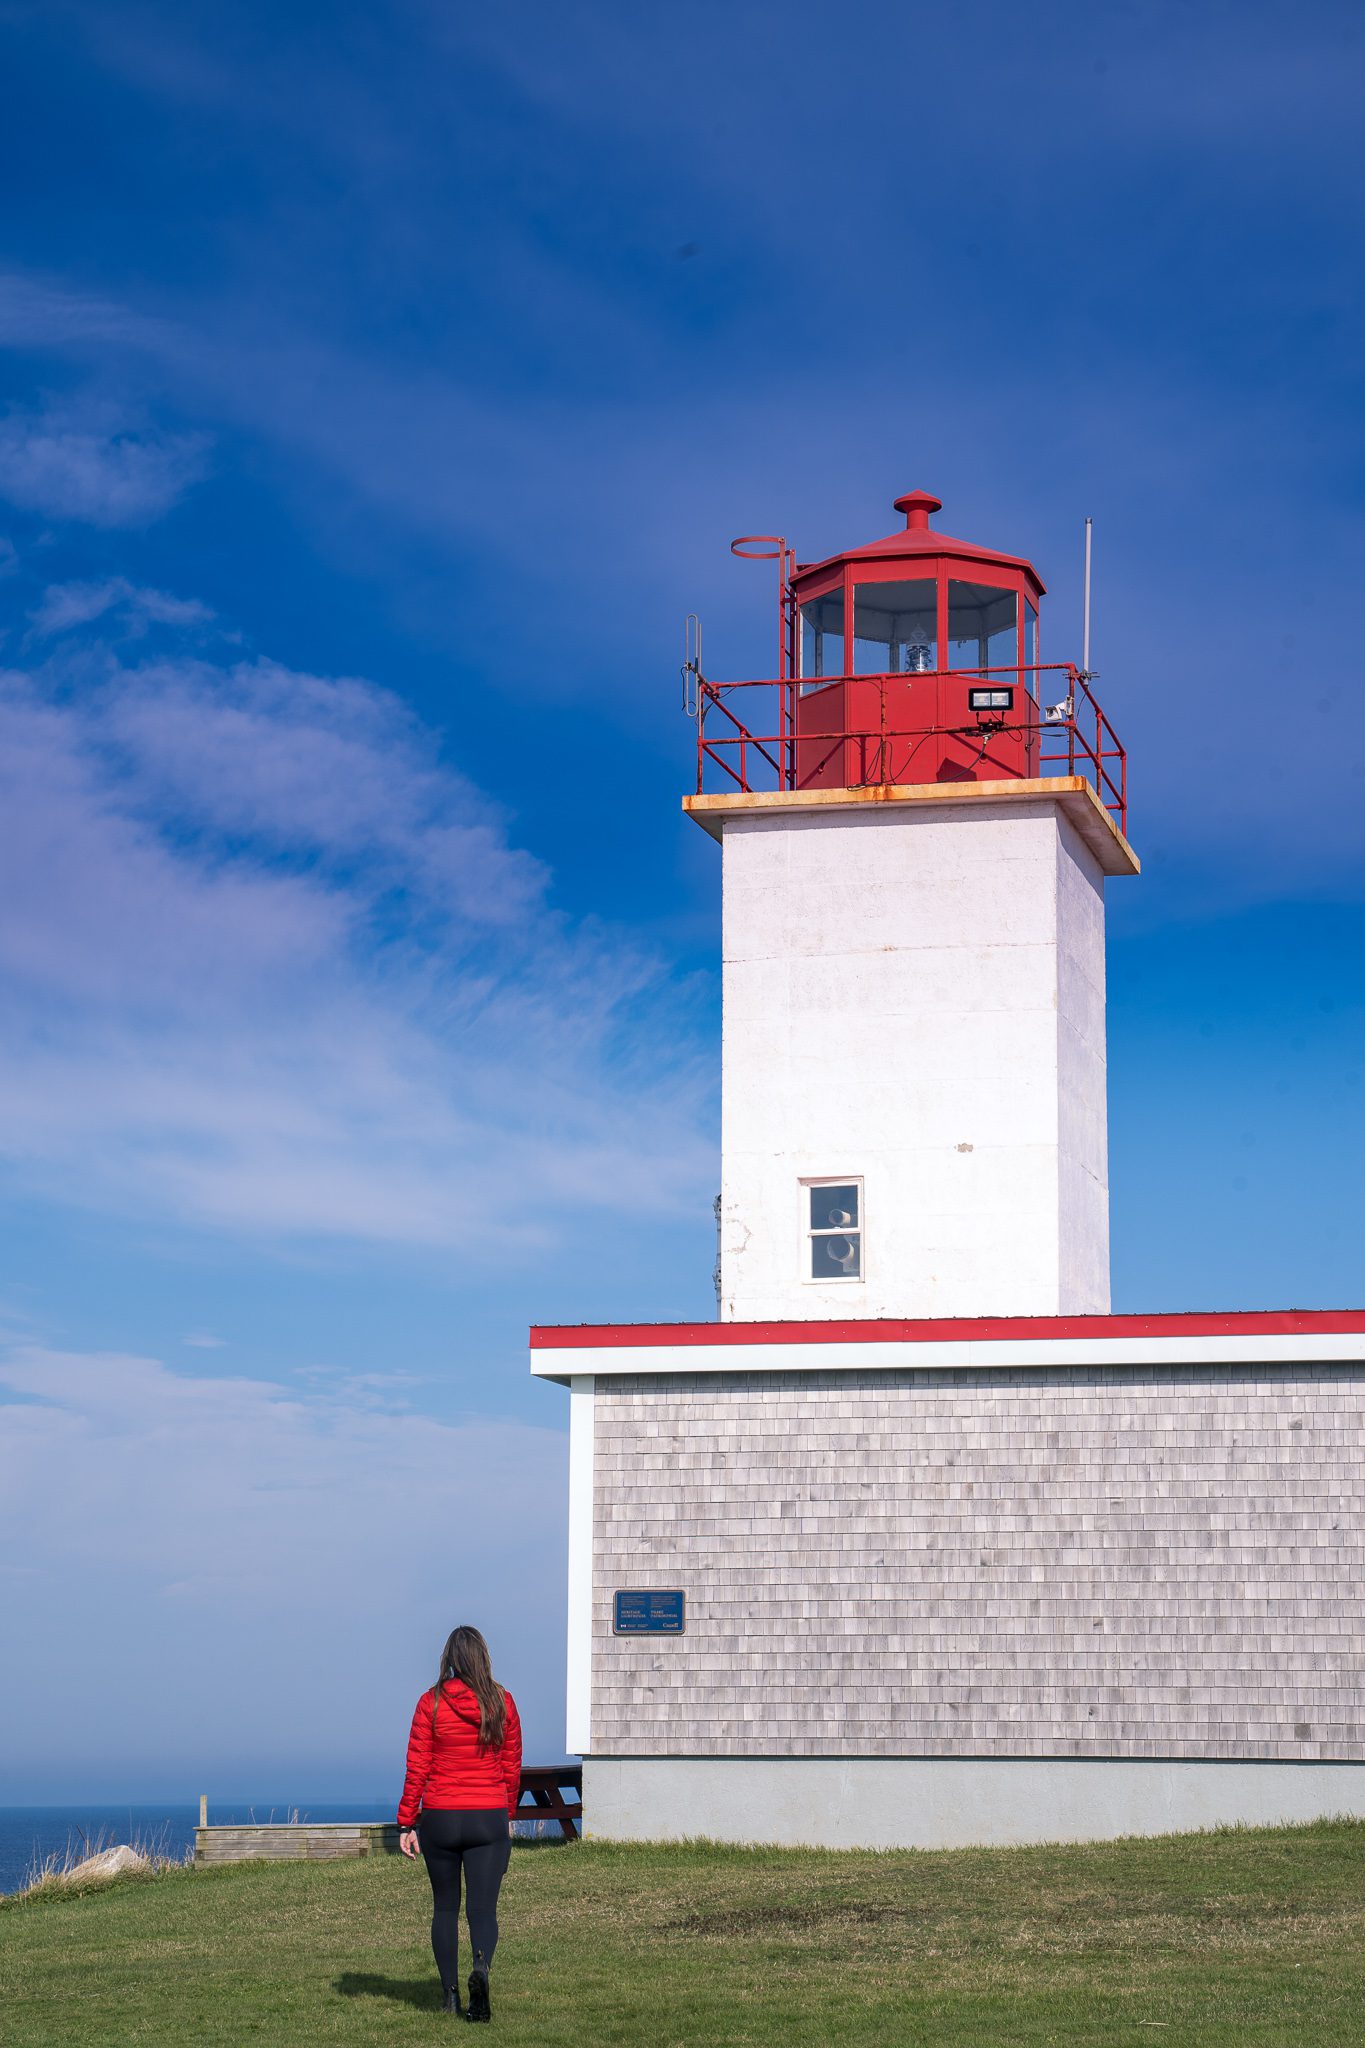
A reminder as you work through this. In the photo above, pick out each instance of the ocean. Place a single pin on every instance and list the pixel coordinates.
(29, 1833)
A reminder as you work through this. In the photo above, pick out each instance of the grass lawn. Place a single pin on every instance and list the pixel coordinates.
(1240, 1937)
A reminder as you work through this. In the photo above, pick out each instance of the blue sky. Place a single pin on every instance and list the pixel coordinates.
(380, 388)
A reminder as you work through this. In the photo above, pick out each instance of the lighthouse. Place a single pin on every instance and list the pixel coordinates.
(918, 1543)
(917, 819)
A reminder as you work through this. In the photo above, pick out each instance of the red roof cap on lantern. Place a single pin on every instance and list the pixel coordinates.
(917, 537)
(917, 506)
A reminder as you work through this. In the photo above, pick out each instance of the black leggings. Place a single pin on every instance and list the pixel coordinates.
(476, 1842)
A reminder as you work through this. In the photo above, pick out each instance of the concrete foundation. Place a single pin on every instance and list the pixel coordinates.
(948, 1803)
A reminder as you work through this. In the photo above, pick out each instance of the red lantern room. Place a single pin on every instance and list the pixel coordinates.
(910, 660)
(922, 646)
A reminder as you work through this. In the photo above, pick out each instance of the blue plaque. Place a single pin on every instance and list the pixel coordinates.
(649, 1614)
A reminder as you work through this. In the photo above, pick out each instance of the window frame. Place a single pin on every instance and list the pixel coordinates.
(809, 1233)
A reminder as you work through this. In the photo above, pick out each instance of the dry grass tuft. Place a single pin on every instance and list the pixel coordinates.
(65, 1873)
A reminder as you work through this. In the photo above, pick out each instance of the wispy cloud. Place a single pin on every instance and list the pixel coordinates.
(34, 313)
(490, 478)
(272, 964)
(66, 465)
(67, 605)
(241, 1562)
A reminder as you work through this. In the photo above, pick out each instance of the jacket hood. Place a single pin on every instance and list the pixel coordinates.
(461, 1700)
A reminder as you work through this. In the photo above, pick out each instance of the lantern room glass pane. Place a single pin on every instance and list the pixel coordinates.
(895, 627)
(1032, 654)
(983, 627)
(822, 637)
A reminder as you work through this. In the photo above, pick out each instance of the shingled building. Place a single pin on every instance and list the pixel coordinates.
(918, 1543)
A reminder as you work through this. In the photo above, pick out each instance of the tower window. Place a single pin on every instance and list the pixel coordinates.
(834, 1229)
(895, 627)
(982, 627)
(822, 638)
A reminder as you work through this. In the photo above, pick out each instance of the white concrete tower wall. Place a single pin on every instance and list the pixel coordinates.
(1082, 1080)
(914, 999)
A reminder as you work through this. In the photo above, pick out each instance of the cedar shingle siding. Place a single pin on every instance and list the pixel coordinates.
(1025, 1563)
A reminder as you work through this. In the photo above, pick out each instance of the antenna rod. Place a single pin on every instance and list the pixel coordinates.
(1085, 636)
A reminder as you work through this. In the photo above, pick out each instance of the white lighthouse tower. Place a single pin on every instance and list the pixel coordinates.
(916, 822)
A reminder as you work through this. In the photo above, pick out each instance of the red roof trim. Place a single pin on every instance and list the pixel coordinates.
(921, 548)
(1292, 1322)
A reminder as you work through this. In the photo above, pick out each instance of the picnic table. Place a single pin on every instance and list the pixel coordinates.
(546, 1784)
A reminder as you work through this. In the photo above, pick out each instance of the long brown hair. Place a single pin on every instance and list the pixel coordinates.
(466, 1658)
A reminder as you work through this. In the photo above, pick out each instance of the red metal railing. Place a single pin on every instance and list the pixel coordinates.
(767, 750)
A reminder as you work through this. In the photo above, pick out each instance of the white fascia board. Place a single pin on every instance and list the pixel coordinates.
(613, 1360)
(578, 1690)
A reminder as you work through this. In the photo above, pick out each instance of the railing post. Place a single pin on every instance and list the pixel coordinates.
(783, 715)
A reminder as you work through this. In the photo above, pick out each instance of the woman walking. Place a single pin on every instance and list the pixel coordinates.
(462, 1786)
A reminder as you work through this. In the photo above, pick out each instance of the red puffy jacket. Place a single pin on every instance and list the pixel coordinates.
(450, 1767)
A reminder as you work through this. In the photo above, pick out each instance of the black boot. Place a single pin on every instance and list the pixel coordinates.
(479, 2008)
(450, 2001)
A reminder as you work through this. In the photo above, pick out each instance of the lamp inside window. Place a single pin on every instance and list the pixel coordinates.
(834, 1230)
(895, 628)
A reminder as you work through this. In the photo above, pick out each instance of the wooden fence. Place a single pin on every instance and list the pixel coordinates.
(314, 1841)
